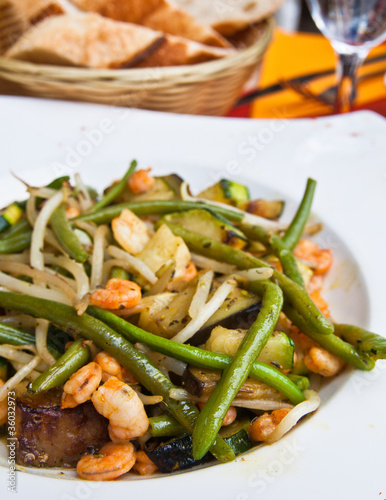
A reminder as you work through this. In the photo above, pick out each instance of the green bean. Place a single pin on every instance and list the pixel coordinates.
(301, 382)
(58, 182)
(55, 184)
(296, 228)
(233, 377)
(155, 207)
(331, 343)
(277, 246)
(196, 356)
(66, 236)
(364, 341)
(20, 227)
(294, 293)
(14, 336)
(16, 243)
(287, 260)
(256, 233)
(66, 318)
(118, 272)
(116, 190)
(164, 426)
(76, 356)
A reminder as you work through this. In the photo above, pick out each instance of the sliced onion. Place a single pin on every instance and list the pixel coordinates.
(19, 320)
(260, 404)
(256, 274)
(50, 239)
(291, 419)
(15, 285)
(48, 277)
(83, 304)
(164, 275)
(76, 269)
(248, 218)
(218, 267)
(125, 313)
(41, 331)
(98, 257)
(41, 192)
(149, 400)
(18, 377)
(84, 197)
(181, 394)
(24, 257)
(41, 222)
(18, 354)
(201, 296)
(207, 311)
(135, 263)
(30, 210)
(88, 227)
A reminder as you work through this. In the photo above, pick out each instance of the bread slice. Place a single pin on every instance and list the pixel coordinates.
(227, 17)
(87, 40)
(177, 51)
(159, 15)
(35, 11)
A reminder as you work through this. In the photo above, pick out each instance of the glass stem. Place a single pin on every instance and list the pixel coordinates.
(347, 84)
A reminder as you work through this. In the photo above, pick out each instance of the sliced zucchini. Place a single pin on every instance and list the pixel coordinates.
(264, 208)
(10, 216)
(278, 351)
(177, 454)
(209, 224)
(174, 181)
(200, 382)
(226, 191)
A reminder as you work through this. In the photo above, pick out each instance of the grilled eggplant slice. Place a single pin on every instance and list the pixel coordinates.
(48, 436)
(177, 454)
(200, 382)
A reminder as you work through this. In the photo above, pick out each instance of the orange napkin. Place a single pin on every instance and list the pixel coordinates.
(295, 54)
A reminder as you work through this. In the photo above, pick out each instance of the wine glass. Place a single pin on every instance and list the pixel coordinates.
(353, 27)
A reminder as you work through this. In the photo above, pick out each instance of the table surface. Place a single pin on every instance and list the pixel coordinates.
(294, 54)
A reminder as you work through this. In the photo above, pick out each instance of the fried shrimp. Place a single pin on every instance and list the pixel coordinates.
(318, 360)
(118, 294)
(119, 403)
(263, 426)
(80, 386)
(3, 408)
(110, 366)
(230, 415)
(130, 232)
(143, 465)
(141, 181)
(112, 461)
(321, 258)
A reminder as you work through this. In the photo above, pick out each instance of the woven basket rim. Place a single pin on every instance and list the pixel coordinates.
(161, 74)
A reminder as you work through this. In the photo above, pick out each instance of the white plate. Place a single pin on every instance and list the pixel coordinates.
(339, 452)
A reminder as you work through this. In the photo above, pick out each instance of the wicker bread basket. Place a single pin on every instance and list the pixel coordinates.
(209, 88)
